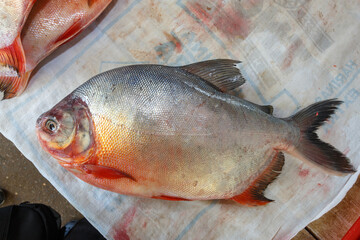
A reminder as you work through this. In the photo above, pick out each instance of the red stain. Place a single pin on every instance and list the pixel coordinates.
(334, 65)
(323, 19)
(346, 151)
(145, 224)
(290, 53)
(324, 188)
(303, 172)
(224, 18)
(121, 229)
(172, 38)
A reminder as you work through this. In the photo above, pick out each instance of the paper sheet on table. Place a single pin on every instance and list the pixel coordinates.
(294, 53)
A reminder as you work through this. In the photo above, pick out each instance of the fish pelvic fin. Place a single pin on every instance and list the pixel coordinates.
(222, 74)
(310, 147)
(254, 194)
(13, 86)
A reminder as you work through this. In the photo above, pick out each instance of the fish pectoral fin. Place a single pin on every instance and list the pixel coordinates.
(169, 198)
(222, 74)
(254, 194)
(104, 172)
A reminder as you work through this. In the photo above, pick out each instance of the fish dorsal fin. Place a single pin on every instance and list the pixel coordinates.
(220, 73)
(254, 194)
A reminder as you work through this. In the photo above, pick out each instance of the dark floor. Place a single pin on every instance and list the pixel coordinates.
(22, 182)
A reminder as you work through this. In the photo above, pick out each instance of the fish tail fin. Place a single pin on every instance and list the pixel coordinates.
(13, 78)
(310, 147)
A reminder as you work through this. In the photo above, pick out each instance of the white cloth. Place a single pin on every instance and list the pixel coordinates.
(294, 53)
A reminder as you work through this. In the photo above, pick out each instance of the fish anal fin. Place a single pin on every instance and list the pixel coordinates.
(169, 198)
(254, 194)
(104, 172)
(219, 73)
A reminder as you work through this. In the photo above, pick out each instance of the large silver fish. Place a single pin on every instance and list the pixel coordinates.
(174, 133)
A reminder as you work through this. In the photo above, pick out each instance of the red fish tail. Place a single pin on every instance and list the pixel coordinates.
(310, 147)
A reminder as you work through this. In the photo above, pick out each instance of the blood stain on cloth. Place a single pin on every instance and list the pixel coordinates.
(121, 228)
(290, 53)
(322, 18)
(165, 50)
(174, 39)
(303, 172)
(325, 188)
(223, 18)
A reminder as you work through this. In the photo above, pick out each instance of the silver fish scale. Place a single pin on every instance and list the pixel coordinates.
(224, 143)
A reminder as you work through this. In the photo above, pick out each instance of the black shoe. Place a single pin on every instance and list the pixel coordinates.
(2, 196)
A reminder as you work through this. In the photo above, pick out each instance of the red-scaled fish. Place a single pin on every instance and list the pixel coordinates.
(174, 133)
(13, 14)
(50, 24)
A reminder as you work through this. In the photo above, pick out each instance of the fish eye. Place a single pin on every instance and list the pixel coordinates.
(51, 125)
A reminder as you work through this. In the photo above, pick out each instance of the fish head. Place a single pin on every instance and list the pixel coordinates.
(66, 132)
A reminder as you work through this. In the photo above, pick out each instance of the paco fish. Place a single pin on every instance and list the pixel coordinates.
(13, 14)
(50, 24)
(175, 133)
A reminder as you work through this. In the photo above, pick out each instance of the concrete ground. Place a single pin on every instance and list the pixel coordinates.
(22, 182)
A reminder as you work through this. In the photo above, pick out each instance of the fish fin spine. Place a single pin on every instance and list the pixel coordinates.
(254, 194)
(310, 147)
(221, 74)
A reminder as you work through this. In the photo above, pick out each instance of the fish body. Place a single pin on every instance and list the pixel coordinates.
(165, 132)
(50, 24)
(13, 14)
